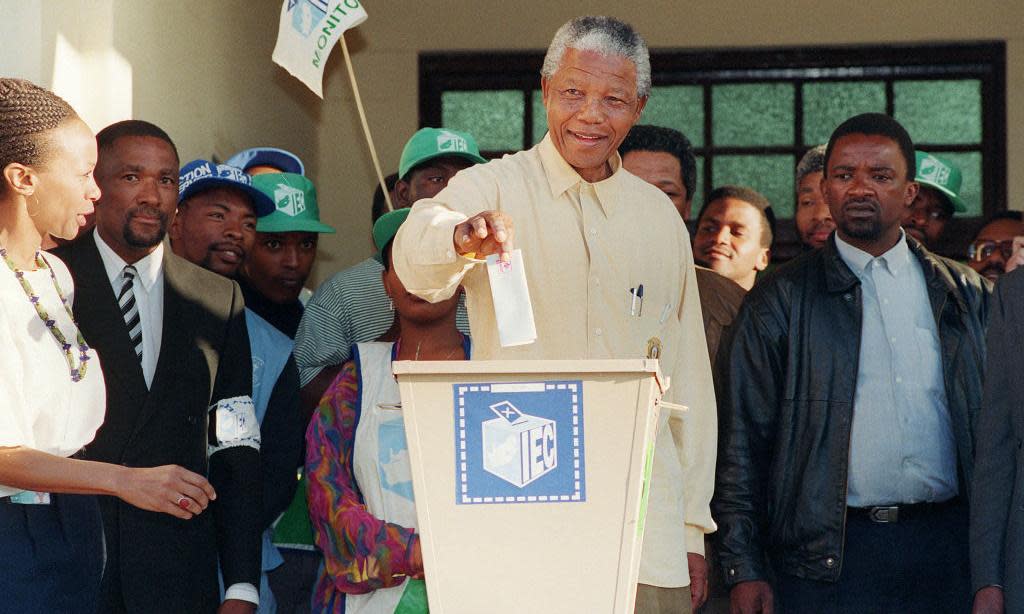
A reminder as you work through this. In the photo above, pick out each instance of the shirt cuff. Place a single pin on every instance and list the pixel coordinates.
(694, 539)
(243, 591)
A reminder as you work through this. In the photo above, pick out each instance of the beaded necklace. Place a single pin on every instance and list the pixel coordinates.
(77, 373)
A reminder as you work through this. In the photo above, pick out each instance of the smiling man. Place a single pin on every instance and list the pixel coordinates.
(852, 384)
(734, 234)
(589, 231)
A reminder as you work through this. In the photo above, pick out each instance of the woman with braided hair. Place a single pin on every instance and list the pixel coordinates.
(52, 397)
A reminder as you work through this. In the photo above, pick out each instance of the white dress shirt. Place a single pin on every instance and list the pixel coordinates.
(902, 448)
(149, 297)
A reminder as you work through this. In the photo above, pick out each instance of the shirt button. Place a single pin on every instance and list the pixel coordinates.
(598, 331)
(830, 562)
(593, 232)
(899, 380)
(597, 282)
(885, 301)
(893, 339)
(732, 572)
(451, 254)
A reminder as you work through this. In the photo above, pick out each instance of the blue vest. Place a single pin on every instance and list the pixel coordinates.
(270, 350)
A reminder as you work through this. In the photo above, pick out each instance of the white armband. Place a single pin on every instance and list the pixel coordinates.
(235, 424)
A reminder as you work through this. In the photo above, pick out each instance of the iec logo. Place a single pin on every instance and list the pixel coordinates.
(308, 15)
(934, 171)
(289, 200)
(519, 443)
(449, 142)
(519, 448)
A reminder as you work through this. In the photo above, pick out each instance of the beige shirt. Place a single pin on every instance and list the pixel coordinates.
(585, 245)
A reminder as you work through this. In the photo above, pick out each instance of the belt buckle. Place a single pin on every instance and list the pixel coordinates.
(884, 514)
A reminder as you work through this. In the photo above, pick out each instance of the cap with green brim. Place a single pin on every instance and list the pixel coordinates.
(942, 175)
(430, 143)
(385, 229)
(294, 197)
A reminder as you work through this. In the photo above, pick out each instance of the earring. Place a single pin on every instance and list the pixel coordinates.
(391, 304)
(36, 199)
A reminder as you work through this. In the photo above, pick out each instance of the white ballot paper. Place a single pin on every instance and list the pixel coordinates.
(513, 310)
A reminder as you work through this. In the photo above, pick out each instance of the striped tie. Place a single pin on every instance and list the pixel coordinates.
(130, 309)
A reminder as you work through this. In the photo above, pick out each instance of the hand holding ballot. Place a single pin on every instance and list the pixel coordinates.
(486, 233)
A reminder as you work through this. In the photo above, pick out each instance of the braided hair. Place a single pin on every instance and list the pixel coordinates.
(27, 112)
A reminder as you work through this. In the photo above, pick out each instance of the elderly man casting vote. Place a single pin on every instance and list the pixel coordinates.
(590, 233)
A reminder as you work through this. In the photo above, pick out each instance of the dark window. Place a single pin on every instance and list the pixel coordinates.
(751, 114)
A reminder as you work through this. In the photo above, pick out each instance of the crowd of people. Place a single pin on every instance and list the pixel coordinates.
(185, 427)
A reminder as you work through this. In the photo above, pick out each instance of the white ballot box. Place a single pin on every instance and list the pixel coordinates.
(530, 481)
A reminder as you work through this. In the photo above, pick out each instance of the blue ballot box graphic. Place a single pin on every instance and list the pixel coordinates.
(519, 443)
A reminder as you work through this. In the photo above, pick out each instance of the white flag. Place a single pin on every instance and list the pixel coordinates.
(307, 34)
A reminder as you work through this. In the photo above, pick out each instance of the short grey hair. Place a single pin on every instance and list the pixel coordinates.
(607, 36)
(812, 162)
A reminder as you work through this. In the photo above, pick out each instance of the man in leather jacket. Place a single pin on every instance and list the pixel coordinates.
(853, 377)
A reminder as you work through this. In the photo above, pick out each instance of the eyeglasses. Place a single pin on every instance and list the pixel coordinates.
(982, 249)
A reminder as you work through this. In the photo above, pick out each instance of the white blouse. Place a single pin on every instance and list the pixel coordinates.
(40, 407)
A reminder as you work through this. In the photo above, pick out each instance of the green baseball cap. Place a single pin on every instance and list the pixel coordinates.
(942, 175)
(430, 143)
(385, 229)
(294, 197)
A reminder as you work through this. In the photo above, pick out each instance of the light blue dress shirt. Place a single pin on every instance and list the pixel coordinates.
(902, 448)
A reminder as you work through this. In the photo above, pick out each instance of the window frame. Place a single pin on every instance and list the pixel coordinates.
(981, 60)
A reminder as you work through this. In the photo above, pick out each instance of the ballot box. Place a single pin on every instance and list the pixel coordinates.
(530, 480)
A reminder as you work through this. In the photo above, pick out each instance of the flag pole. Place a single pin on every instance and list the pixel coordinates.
(366, 125)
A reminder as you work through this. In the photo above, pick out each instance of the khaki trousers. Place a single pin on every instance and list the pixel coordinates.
(657, 600)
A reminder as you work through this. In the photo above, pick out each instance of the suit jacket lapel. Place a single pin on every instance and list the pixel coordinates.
(97, 311)
(176, 342)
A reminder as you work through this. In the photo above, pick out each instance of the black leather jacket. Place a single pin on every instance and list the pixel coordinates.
(786, 406)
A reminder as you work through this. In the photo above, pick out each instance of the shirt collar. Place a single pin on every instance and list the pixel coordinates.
(561, 176)
(148, 268)
(897, 257)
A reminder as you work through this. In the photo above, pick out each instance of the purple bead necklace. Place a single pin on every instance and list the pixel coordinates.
(77, 372)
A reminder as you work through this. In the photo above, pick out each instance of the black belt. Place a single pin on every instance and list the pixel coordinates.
(886, 514)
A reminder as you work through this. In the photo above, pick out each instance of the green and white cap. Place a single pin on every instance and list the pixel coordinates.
(942, 175)
(294, 197)
(430, 143)
(385, 229)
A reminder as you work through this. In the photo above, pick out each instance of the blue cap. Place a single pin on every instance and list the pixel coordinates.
(268, 156)
(201, 175)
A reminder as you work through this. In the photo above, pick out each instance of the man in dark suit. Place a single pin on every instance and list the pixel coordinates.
(173, 345)
(997, 532)
(215, 228)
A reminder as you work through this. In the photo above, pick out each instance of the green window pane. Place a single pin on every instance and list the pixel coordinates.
(540, 117)
(494, 118)
(772, 176)
(971, 170)
(939, 111)
(826, 105)
(677, 106)
(752, 114)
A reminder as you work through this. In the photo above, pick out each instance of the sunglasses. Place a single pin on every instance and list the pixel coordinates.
(982, 249)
